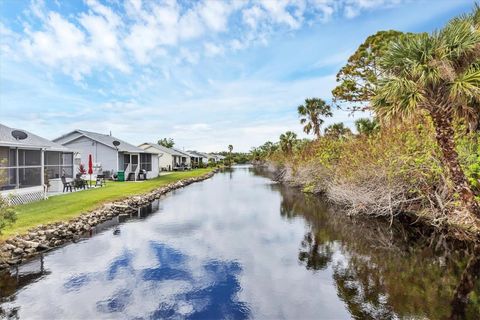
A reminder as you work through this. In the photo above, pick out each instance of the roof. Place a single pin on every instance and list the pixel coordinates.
(32, 140)
(172, 151)
(218, 156)
(105, 139)
(197, 154)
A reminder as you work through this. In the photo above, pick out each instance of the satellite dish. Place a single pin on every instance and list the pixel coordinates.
(19, 135)
(116, 143)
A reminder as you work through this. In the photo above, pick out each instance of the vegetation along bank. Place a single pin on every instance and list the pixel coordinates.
(417, 152)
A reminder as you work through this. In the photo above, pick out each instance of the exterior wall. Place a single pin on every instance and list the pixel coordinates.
(188, 161)
(155, 168)
(165, 161)
(103, 155)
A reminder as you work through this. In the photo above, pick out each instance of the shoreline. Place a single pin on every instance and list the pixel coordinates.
(19, 249)
(408, 218)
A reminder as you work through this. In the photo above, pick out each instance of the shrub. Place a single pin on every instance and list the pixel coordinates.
(7, 214)
(394, 170)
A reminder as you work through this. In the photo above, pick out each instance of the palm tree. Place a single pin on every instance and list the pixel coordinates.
(437, 74)
(287, 141)
(230, 149)
(337, 131)
(367, 126)
(310, 115)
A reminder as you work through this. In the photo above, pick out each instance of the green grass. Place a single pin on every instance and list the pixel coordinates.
(65, 207)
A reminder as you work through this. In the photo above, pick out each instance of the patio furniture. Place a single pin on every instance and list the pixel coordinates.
(100, 182)
(79, 183)
(66, 185)
(142, 175)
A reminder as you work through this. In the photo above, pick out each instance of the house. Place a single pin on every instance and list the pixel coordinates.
(168, 158)
(217, 157)
(200, 158)
(195, 159)
(111, 154)
(28, 163)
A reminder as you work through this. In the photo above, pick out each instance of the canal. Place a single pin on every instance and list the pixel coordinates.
(241, 246)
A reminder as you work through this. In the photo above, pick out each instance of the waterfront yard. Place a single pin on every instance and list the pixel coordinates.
(65, 207)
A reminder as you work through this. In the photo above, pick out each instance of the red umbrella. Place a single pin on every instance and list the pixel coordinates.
(90, 167)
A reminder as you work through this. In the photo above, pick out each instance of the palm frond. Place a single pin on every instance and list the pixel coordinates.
(466, 85)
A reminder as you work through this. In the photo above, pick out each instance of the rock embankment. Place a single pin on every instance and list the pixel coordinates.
(20, 248)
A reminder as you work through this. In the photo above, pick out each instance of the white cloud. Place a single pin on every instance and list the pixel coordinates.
(253, 15)
(212, 49)
(215, 14)
(100, 38)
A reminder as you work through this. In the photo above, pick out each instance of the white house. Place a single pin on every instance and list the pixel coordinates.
(217, 157)
(110, 154)
(168, 158)
(26, 161)
(201, 158)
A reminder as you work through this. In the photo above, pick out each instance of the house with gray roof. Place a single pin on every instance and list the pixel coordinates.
(168, 158)
(198, 159)
(111, 154)
(27, 160)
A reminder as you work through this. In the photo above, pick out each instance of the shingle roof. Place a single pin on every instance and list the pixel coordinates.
(32, 140)
(197, 154)
(172, 151)
(107, 140)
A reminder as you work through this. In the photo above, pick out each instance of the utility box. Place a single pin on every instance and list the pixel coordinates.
(121, 175)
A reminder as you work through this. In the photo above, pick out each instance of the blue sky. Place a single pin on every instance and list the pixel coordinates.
(206, 73)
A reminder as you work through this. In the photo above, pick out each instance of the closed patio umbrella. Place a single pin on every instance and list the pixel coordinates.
(90, 167)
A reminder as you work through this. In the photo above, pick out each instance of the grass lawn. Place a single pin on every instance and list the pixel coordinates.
(65, 207)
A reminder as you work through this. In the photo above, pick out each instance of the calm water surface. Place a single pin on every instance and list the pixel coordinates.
(239, 246)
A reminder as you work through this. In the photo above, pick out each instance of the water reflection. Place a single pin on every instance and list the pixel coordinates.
(240, 246)
(383, 272)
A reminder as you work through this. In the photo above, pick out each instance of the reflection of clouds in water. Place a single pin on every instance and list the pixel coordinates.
(166, 290)
(217, 246)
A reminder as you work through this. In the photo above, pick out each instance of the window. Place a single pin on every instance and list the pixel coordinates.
(4, 158)
(29, 157)
(8, 178)
(58, 164)
(29, 177)
(146, 161)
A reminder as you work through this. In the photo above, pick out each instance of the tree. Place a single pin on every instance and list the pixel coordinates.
(287, 141)
(437, 74)
(229, 157)
(166, 142)
(359, 77)
(310, 115)
(366, 126)
(337, 131)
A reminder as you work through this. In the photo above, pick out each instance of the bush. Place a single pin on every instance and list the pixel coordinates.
(394, 170)
(7, 214)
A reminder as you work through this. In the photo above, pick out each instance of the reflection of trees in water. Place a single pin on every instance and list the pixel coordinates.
(386, 272)
(13, 280)
(315, 251)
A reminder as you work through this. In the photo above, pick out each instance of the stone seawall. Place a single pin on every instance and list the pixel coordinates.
(18, 249)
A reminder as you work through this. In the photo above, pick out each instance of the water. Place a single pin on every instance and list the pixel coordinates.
(240, 246)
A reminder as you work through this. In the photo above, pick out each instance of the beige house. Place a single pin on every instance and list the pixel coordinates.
(168, 158)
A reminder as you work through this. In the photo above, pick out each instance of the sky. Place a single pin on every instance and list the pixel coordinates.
(205, 73)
